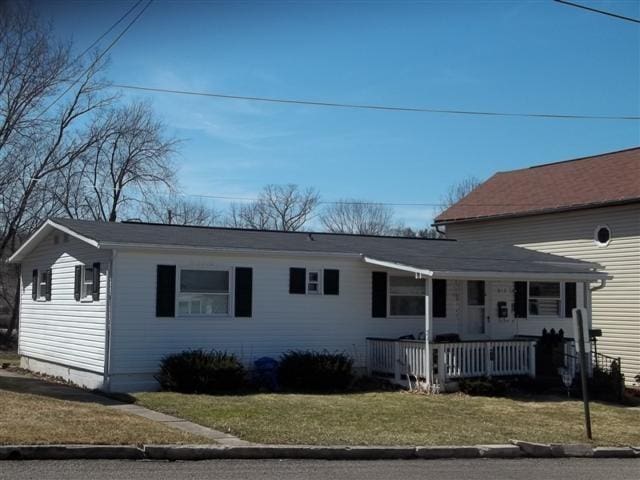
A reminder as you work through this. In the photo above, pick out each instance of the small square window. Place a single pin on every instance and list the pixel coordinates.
(313, 283)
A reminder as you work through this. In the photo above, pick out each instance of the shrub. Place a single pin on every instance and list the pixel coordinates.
(607, 385)
(483, 386)
(200, 371)
(315, 371)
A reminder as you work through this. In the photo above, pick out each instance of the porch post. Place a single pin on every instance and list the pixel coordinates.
(428, 331)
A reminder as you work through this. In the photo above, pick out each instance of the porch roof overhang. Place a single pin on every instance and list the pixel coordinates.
(551, 271)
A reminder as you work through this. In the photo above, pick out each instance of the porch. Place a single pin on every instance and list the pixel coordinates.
(405, 361)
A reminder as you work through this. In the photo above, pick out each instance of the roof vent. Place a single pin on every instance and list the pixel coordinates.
(311, 239)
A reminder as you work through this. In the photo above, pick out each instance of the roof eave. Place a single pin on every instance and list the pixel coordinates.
(545, 211)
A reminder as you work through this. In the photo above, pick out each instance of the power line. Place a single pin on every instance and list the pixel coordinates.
(101, 55)
(358, 202)
(595, 10)
(108, 31)
(378, 107)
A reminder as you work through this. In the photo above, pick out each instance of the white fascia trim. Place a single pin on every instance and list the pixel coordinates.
(567, 276)
(36, 237)
(397, 266)
(243, 251)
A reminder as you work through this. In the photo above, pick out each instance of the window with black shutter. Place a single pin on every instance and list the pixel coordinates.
(243, 291)
(570, 298)
(297, 280)
(331, 282)
(77, 283)
(166, 291)
(439, 298)
(34, 284)
(520, 299)
(95, 287)
(47, 291)
(378, 294)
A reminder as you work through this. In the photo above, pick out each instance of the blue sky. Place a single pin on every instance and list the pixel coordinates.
(533, 56)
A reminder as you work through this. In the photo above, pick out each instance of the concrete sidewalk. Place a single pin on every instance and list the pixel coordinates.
(36, 386)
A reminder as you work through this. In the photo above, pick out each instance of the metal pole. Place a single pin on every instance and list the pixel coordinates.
(583, 373)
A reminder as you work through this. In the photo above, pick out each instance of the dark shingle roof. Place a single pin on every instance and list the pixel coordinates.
(435, 255)
(609, 178)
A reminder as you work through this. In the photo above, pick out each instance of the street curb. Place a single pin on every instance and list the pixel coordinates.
(516, 449)
(70, 452)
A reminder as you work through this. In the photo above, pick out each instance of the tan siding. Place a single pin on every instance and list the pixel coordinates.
(63, 330)
(616, 308)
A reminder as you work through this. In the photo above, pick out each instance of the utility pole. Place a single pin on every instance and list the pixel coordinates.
(169, 216)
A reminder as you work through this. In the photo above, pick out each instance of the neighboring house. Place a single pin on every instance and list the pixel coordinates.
(588, 209)
(103, 302)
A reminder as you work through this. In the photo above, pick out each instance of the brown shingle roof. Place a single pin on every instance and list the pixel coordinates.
(580, 183)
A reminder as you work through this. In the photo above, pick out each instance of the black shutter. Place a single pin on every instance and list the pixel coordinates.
(243, 291)
(166, 291)
(77, 283)
(47, 293)
(439, 298)
(297, 280)
(570, 298)
(379, 294)
(95, 288)
(331, 282)
(520, 299)
(34, 284)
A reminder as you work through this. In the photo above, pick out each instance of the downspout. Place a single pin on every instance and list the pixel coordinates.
(109, 314)
(603, 283)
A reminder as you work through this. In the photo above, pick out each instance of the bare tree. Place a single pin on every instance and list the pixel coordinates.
(129, 162)
(457, 192)
(358, 216)
(179, 211)
(278, 207)
(46, 97)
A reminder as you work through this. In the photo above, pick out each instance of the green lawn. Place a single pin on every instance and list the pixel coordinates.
(398, 418)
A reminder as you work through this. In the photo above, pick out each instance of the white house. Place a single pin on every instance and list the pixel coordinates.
(103, 302)
(586, 208)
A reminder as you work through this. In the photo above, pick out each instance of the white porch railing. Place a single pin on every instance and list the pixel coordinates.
(405, 359)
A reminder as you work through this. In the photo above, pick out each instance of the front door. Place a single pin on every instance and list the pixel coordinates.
(475, 308)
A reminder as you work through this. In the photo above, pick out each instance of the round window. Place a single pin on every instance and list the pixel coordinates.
(603, 235)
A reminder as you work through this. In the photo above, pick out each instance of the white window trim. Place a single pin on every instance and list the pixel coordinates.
(84, 296)
(389, 295)
(320, 290)
(562, 300)
(230, 294)
(597, 242)
(40, 289)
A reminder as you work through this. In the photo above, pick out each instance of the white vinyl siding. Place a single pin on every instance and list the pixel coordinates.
(63, 331)
(279, 322)
(616, 308)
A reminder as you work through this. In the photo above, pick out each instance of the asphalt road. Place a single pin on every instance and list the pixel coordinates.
(481, 469)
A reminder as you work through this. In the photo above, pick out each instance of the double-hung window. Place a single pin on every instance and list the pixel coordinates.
(313, 282)
(406, 296)
(43, 283)
(545, 298)
(203, 292)
(87, 282)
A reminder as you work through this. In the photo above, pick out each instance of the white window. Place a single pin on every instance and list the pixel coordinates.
(87, 283)
(544, 299)
(406, 297)
(203, 292)
(313, 282)
(42, 285)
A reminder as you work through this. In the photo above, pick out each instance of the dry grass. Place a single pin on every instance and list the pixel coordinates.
(36, 419)
(397, 418)
(9, 357)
